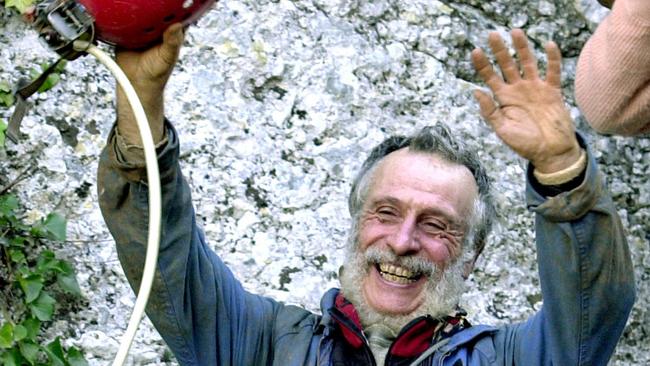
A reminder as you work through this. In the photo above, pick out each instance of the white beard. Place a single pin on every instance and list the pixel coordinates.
(443, 288)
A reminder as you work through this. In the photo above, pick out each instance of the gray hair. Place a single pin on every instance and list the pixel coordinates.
(435, 140)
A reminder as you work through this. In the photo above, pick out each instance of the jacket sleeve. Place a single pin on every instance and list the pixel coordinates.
(199, 308)
(586, 277)
(612, 83)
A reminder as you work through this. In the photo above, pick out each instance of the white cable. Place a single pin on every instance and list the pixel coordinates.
(153, 178)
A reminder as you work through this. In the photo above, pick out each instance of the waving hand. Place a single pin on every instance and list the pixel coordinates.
(526, 111)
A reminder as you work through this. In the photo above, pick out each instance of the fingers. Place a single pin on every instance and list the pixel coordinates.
(506, 63)
(526, 57)
(554, 69)
(485, 70)
(172, 41)
(489, 109)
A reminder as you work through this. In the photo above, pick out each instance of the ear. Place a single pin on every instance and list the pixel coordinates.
(468, 267)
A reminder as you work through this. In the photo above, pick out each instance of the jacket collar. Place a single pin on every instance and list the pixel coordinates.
(467, 336)
(413, 339)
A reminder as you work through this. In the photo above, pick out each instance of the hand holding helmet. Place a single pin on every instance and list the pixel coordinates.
(133, 26)
(148, 71)
(136, 28)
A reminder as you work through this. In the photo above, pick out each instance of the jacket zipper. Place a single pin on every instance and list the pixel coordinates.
(336, 314)
(443, 357)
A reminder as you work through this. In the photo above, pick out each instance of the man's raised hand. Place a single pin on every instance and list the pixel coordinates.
(148, 70)
(526, 111)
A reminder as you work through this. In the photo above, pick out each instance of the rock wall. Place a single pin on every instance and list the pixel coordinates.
(277, 103)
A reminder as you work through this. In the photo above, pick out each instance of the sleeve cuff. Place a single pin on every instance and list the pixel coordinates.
(135, 153)
(129, 159)
(568, 201)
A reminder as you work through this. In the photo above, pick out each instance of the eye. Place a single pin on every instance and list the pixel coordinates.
(387, 213)
(433, 226)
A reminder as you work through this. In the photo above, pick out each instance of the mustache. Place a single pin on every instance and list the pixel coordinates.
(414, 264)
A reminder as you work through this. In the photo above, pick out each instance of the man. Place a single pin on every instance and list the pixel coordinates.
(421, 209)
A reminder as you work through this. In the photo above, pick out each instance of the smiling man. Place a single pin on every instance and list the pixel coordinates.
(421, 210)
(416, 209)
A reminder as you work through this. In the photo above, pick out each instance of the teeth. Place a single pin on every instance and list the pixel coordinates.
(396, 279)
(402, 272)
(395, 273)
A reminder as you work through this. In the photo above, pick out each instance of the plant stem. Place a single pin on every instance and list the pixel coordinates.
(3, 304)
(24, 174)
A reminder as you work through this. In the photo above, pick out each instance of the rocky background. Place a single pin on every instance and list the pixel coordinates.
(278, 103)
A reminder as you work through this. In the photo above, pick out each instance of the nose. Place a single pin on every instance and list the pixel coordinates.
(404, 240)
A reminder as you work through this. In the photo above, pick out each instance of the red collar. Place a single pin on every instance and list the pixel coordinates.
(413, 339)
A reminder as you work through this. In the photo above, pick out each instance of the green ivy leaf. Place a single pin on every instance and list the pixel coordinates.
(8, 203)
(55, 226)
(46, 261)
(75, 358)
(31, 286)
(59, 68)
(69, 284)
(43, 307)
(23, 270)
(3, 125)
(18, 241)
(55, 352)
(6, 335)
(17, 256)
(20, 5)
(33, 327)
(7, 99)
(11, 358)
(5, 87)
(50, 82)
(20, 333)
(30, 351)
(64, 267)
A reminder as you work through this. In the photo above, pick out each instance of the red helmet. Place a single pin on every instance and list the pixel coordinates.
(139, 23)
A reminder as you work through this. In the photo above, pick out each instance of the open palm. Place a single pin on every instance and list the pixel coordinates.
(525, 111)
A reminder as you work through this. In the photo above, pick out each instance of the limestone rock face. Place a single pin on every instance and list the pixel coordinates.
(278, 102)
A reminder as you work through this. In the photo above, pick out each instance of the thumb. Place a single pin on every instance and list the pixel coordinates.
(487, 105)
(173, 39)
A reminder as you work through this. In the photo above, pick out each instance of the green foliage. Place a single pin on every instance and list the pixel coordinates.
(52, 79)
(7, 98)
(20, 5)
(3, 128)
(6, 94)
(32, 282)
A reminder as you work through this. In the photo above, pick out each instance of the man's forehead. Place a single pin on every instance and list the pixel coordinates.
(421, 174)
(407, 155)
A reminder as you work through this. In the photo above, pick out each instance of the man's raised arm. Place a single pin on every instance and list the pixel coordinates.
(197, 305)
(585, 269)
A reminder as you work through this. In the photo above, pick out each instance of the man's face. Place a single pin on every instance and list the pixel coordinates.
(416, 212)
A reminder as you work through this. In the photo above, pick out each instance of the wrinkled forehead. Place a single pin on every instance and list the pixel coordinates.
(423, 162)
(424, 173)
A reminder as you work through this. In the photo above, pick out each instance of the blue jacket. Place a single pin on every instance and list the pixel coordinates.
(207, 318)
